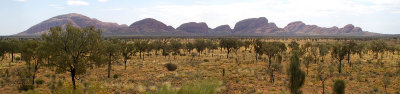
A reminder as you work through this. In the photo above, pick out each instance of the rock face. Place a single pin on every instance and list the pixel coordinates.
(255, 26)
(223, 29)
(150, 25)
(76, 20)
(193, 27)
(299, 28)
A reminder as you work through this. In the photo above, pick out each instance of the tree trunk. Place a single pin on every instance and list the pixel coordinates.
(33, 78)
(323, 86)
(227, 55)
(315, 59)
(140, 54)
(109, 66)
(143, 57)
(348, 58)
(269, 60)
(272, 77)
(73, 77)
(385, 90)
(307, 69)
(12, 55)
(256, 57)
(340, 66)
(34, 73)
(125, 63)
(223, 72)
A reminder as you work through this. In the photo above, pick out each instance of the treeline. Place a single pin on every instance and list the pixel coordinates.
(75, 50)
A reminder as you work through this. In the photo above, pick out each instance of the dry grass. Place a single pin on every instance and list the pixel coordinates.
(242, 74)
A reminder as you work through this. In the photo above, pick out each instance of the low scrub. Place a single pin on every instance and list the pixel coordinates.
(171, 67)
(199, 87)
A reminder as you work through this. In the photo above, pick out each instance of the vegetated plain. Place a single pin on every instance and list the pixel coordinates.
(196, 65)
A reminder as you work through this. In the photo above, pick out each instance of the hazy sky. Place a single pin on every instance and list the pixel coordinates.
(382, 16)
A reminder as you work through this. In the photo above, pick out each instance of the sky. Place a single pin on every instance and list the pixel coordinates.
(380, 16)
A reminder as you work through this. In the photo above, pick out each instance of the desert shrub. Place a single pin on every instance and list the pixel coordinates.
(198, 87)
(60, 83)
(47, 75)
(39, 81)
(206, 60)
(164, 90)
(339, 87)
(17, 58)
(171, 67)
(116, 76)
(25, 87)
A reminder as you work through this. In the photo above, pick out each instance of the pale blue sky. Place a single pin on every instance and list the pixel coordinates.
(381, 16)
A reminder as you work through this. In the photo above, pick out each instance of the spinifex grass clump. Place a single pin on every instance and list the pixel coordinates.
(198, 87)
(171, 67)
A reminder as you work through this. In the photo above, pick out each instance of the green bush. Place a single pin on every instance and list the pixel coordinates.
(25, 87)
(116, 76)
(339, 87)
(39, 81)
(171, 67)
(17, 58)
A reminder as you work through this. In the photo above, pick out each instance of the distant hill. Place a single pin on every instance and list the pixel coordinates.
(149, 26)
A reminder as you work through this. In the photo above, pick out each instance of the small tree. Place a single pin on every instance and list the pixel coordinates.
(229, 45)
(323, 73)
(12, 47)
(307, 60)
(339, 87)
(212, 47)
(166, 49)
(296, 75)
(275, 67)
(314, 53)
(247, 44)
(175, 46)
(351, 46)
(29, 52)
(200, 46)
(3, 49)
(156, 46)
(307, 46)
(258, 45)
(71, 49)
(189, 47)
(323, 50)
(386, 81)
(378, 46)
(141, 46)
(127, 50)
(293, 45)
(339, 52)
(360, 48)
(271, 49)
(112, 51)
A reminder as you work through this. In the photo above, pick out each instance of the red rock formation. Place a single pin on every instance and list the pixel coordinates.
(75, 19)
(223, 29)
(193, 27)
(150, 25)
